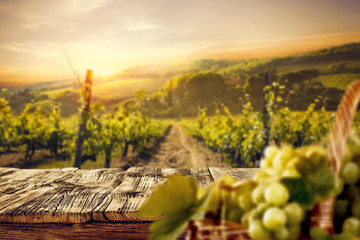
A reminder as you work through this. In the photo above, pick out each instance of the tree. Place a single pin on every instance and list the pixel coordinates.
(254, 86)
(199, 89)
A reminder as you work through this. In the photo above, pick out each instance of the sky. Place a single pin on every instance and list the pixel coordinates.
(38, 37)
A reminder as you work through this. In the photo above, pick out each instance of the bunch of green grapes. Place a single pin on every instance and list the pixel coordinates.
(347, 205)
(267, 205)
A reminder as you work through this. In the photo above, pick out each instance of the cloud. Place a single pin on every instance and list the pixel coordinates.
(35, 34)
(40, 49)
(83, 6)
(139, 26)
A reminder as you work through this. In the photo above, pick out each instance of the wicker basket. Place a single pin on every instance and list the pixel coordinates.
(322, 214)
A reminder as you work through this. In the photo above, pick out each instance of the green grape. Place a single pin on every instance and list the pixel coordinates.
(277, 194)
(347, 154)
(351, 225)
(317, 155)
(355, 208)
(293, 161)
(245, 201)
(282, 158)
(291, 172)
(258, 212)
(262, 176)
(265, 163)
(246, 219)
(294, 213)
(339, 185)
(350, 173)
(352, 151)
(294, 231)
(282, 234)
(274, 218)
(258, 231)
(271, 151)
(257, 195)
(234, 214)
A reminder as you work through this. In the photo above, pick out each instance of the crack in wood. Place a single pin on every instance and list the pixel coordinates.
(79, 196)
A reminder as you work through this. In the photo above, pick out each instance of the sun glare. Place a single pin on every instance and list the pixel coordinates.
(100, 72)
(103, 73)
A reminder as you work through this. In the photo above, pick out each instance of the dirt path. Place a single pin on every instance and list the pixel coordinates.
(177, 150)
(182, 151)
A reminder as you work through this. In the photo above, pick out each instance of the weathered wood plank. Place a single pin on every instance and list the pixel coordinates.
(65, 196)
(138, 184)
(24, 192)
(80, 196)
(94, 231)
(89, 189)
(237, 173)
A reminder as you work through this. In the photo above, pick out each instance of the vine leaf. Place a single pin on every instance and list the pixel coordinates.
(177, 200)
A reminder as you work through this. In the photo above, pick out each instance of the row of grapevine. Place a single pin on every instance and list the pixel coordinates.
(107, 132)
(35, 128)
(241, 139)
(39, 128)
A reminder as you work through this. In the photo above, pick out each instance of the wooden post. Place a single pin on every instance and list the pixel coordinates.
(265, 115)
(265, 111)
(84, 117)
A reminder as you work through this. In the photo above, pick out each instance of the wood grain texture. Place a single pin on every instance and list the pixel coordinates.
(237, 173)
(94, 231)
(72, 195)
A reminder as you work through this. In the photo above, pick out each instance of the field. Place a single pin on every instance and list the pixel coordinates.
(118, 89)
(226, 124)
(126, 88)
(341, 80)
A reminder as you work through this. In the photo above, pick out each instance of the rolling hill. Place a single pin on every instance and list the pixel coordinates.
(335, 67)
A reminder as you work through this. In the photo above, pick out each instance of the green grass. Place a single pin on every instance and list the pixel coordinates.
(323, 67)
(340, 81)
(125, 88)
(55, 93)
(56, 164)
(353, 64)
(122, 88)
(99, 163)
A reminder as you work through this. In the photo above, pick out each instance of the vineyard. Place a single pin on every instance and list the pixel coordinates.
(37, 129)
(241, 139)
(235, 140)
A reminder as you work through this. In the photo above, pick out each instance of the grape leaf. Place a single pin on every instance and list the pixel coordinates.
(172, 226)
(177, 201)
(322, 181)
(176, 195)
(300, 191)
(307, 190)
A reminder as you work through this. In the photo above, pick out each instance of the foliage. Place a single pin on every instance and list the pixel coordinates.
(164, 201)
(38, 128)
(341, 80)
(241, 139)
(198, 89)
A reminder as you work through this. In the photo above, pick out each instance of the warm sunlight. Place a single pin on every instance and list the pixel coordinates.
(103, 73)
(100, 72)
(232, 119)
(116, 35)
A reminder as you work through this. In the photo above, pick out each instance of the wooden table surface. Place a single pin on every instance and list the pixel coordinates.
(71, 203)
